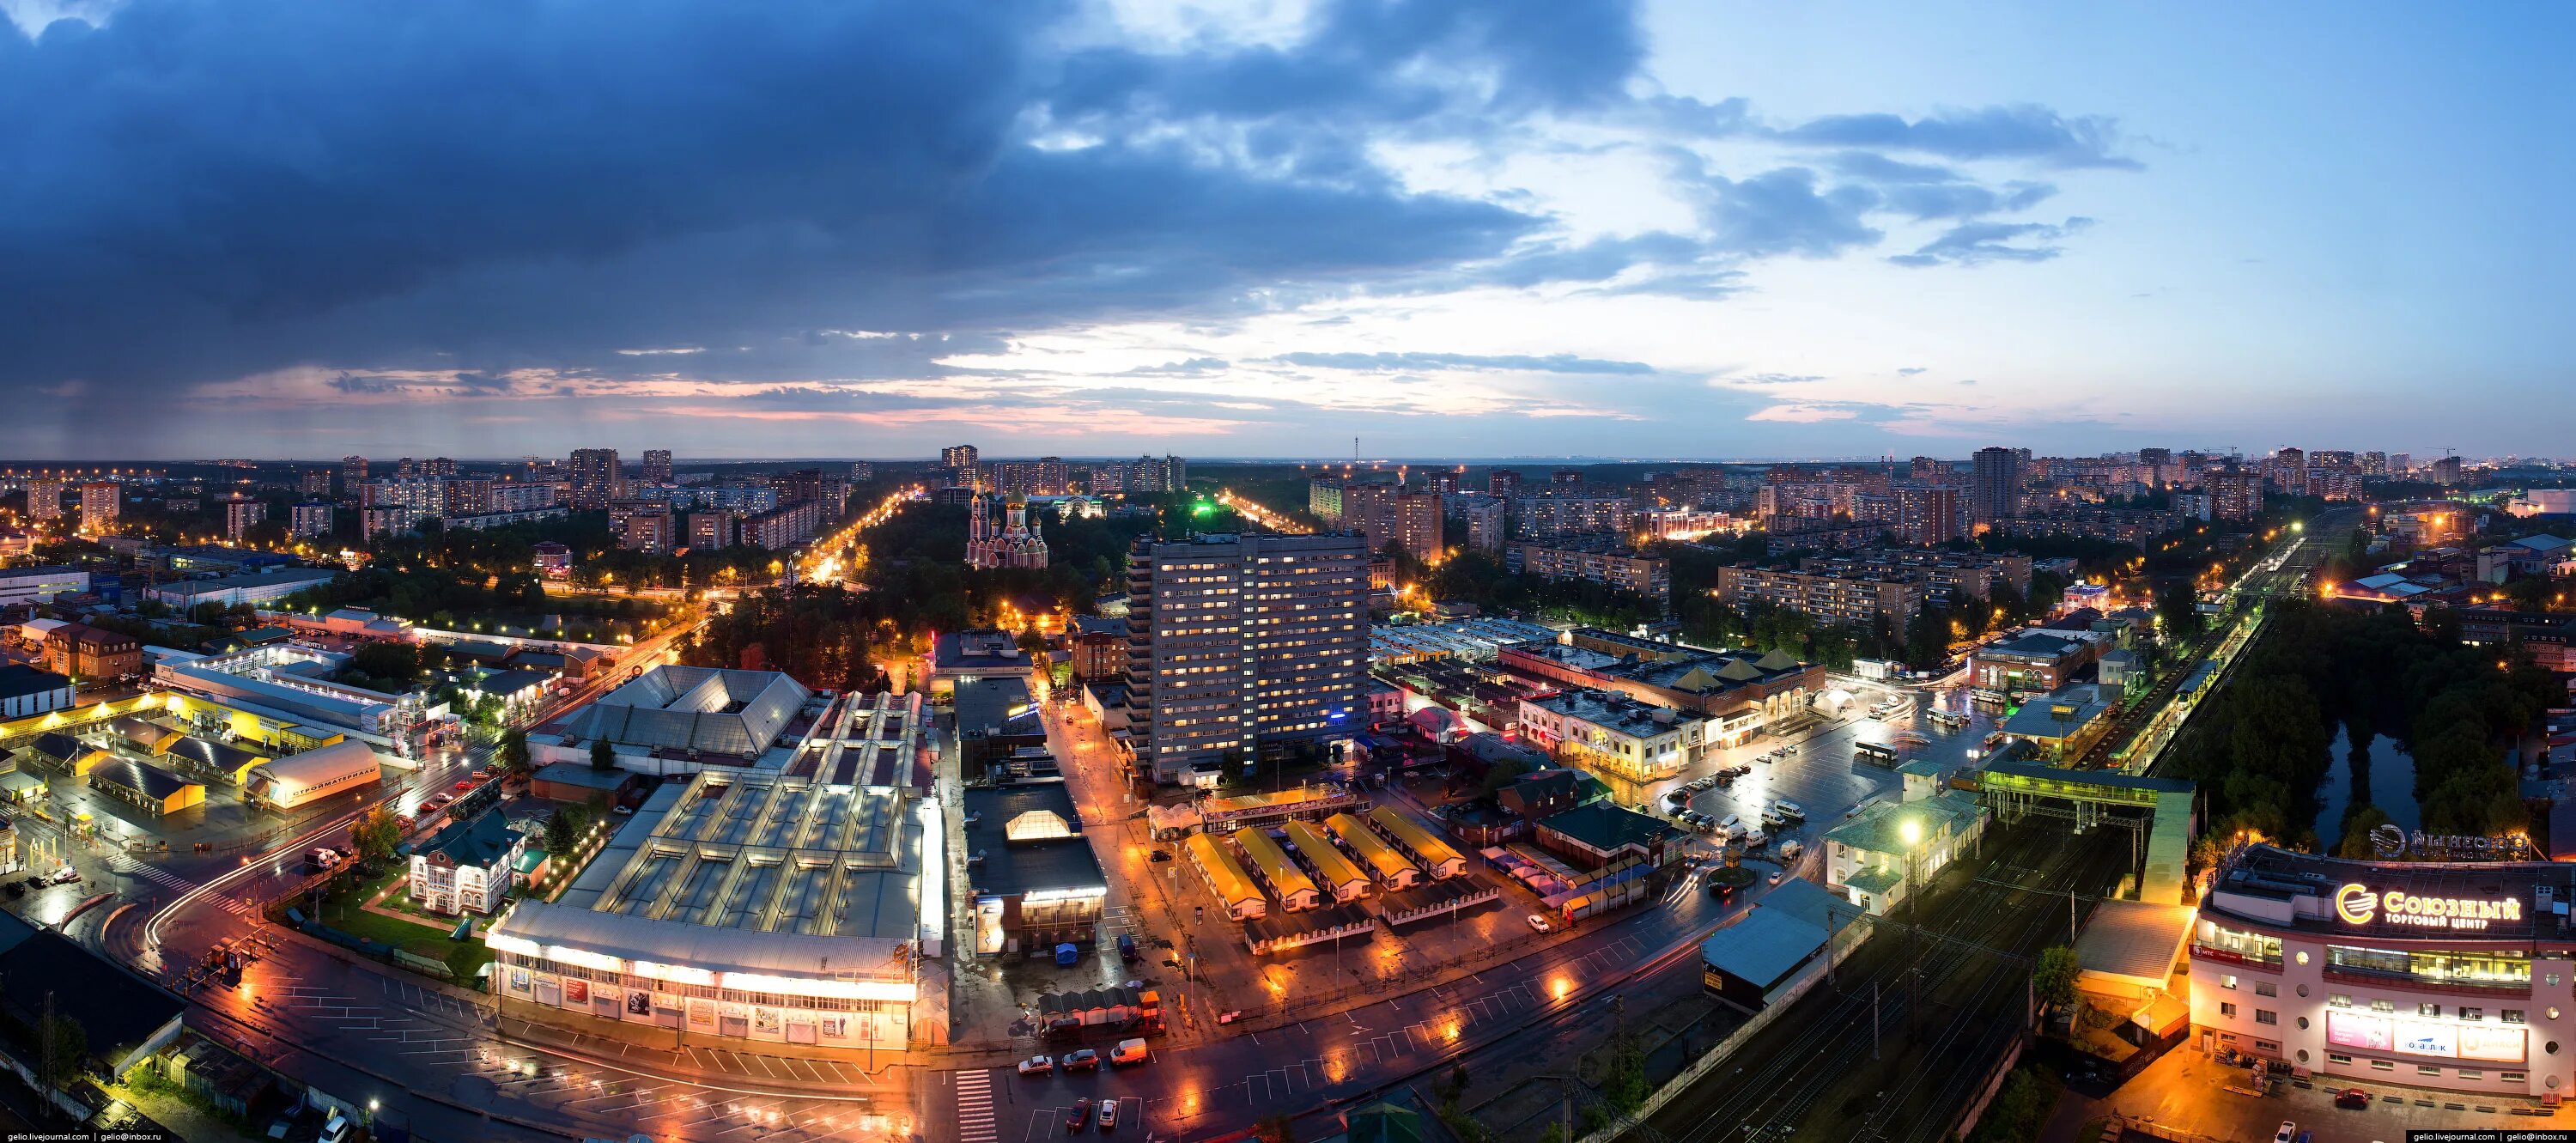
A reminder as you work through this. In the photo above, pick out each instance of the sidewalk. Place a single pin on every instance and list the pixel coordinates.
(2187, 1092)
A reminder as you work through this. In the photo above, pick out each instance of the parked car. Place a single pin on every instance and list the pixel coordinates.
(1108, 1115)
(1078, 1116)
(2353, 1099)
(1162, 855)
(1128, 1052)
(1037, 1065)
(2289, 1131)
(1081, 1060)
(1789, 850)
(464, 784)
(1540, 923)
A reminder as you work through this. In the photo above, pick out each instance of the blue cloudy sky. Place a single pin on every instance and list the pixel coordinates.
(1449, 227)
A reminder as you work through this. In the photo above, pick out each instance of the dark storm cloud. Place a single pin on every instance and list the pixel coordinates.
(200, 191)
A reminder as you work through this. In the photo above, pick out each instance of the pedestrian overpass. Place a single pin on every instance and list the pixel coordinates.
(2014, 790)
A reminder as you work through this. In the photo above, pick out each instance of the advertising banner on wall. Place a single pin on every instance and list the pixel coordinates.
(2492, 1045)
(2415, 1037)
(2354, 1030)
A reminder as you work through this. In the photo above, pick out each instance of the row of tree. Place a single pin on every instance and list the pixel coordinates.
(2262, 747)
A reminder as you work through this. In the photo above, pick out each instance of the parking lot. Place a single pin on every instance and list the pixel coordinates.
(1824, 776)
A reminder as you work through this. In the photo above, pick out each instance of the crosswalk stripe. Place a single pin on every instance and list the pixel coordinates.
(975, 1108)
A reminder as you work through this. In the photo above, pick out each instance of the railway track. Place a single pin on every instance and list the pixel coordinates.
(1826, 1044)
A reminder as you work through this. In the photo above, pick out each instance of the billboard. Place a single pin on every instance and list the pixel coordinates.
(2415, 1037)
(2354, 1030)
(2501, 1045)
(2493, 1045)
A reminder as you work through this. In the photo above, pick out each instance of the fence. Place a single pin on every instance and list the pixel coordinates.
(1993, 1085)
(1709, 1061)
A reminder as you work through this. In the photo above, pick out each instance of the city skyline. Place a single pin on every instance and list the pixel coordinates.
(1101, 229)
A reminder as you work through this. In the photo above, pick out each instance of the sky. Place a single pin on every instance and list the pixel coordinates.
(1447, 228)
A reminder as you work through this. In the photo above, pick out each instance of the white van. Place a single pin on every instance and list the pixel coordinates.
(1789, 850)
(1730, 825)
(1756, 840)
(1790, 808)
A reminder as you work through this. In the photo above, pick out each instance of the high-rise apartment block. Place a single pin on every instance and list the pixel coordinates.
(644, 525)
(2235, 493)
(313, 482)
(2446, 472)
(1486, 516)
(1368, 507)
(1546, 516)
(1503, 483)
(1931, 515)
(45, 500)
(657, 466)
(596, 479)
(438, 468)
(353, 474)
(385, 520)
(100, 502)
(1237, 642)
(241, 514)
(310, 520)
(1324, 498)
(1417, 524)
(784, 526)
(1994, 484)
(958, 456)
(862, 472)
(2288, 472)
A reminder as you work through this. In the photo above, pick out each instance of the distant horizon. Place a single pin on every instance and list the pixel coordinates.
(1596, 228)
(627, 457)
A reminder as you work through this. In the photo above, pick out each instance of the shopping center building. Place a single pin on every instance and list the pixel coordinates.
(2452, 976)
(753, 904)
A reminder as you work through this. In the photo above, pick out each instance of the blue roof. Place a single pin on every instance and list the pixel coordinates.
(1763, 948)
(2037, 717)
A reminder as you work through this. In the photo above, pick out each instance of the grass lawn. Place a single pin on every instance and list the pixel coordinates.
(427, 937)
(1735, 875)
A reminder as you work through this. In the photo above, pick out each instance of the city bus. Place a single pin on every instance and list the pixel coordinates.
(1875, 753)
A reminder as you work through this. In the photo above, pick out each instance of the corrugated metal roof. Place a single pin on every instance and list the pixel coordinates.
(1763, 948)
(1380, 856)
(1416, 838)
(1284, 877)
(1336, 869)
(1232, 885)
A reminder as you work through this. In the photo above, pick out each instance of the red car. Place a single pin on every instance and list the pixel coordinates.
(464, 784)
(1079, 1116)
(2353, 1099)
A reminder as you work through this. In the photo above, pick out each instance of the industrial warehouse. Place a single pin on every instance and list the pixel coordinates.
(2432, 975)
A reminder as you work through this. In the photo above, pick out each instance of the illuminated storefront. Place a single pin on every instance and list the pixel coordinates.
(2448, 976)
(757, 905)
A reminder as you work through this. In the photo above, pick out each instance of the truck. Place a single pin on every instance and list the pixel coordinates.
(1128, 1052)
